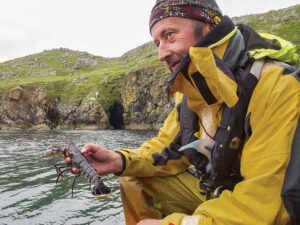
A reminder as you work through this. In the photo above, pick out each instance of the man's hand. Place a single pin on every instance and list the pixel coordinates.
(101, 159)
(150, 222)
(198, 153)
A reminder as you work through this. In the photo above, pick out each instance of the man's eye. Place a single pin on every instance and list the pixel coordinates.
(156, 44)
(169, 34)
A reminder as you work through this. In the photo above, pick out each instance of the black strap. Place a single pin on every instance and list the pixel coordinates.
(204, 89)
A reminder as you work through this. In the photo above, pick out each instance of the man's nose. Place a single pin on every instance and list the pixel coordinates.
(163, 53)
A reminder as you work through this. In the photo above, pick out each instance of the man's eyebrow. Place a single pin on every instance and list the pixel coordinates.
(164, 31)
(161, 34)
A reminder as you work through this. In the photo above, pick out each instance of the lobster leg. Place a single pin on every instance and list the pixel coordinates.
(59, 167)
(61, 172)
(73, 183)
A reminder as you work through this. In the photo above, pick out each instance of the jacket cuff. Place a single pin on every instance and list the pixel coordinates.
(123, 164)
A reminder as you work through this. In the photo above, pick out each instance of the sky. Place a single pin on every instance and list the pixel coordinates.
(103, 28)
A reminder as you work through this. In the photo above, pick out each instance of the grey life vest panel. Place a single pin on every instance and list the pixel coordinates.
(291, 187)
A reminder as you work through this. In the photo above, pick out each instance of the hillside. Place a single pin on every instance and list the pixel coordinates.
(77, 89)
(284, 23)
(67, 89)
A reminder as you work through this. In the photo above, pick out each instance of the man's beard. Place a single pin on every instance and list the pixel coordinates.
(173, 61)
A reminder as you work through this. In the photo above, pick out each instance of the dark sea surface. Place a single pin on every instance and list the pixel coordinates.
(28, 193)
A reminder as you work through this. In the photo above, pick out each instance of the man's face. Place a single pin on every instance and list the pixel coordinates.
(173, 37)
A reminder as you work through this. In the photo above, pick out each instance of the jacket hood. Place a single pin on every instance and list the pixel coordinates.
(285, 52)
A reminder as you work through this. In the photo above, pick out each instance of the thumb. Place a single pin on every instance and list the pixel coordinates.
(90, 148)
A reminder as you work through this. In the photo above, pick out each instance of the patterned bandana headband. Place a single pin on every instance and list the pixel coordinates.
(202, 10)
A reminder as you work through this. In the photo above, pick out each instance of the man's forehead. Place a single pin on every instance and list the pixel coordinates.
(170, 23)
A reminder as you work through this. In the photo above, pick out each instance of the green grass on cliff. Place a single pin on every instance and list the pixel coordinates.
(71, 75)
(64, 74)
(284, 23)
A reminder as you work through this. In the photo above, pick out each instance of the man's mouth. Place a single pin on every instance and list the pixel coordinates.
(174, 66)
(173, 62)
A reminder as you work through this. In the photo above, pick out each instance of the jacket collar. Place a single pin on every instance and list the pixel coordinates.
(217, 36)
(197, 76)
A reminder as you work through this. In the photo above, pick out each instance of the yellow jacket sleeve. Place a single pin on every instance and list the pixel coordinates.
(275, 109)
(140, 162)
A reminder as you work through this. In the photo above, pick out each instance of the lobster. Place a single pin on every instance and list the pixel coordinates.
(99, 189)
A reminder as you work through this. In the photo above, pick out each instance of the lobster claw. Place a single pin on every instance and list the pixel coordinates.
(100, 191)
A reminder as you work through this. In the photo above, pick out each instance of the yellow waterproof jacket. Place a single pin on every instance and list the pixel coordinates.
(273, 115)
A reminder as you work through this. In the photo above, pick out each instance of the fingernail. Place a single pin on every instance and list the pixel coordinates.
(83, 150)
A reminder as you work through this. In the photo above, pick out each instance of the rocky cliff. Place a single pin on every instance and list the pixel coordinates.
(144, 99)
(30, 108)
(65, 89)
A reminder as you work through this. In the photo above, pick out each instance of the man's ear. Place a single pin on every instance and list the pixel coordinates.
(207, 28)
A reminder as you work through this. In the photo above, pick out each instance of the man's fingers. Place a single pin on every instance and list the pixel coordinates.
(68, 160)
(75, 170)
(90, 148)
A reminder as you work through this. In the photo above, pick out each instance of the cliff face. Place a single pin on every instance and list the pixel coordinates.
(22, 109)
(25, 108)
(65, 89)
(142, 104)
(144, 99)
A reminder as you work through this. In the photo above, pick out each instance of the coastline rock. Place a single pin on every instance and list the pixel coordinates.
(89, 113)
(144, 99)
(16, 93)
(30, 109)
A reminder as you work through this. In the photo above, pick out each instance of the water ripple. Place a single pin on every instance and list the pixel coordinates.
(28, 191)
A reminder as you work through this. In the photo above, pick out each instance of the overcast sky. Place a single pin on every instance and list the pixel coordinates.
(104, 28)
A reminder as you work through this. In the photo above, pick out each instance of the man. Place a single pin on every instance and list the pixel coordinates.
(156, 185)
